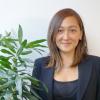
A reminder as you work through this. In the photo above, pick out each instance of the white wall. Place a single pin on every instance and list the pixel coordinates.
(34, 16)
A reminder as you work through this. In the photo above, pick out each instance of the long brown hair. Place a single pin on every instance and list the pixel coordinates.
(81, 49)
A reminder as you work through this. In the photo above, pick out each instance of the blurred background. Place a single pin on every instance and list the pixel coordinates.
(34, 17)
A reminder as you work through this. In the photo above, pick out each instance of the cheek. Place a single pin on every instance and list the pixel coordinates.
(58, 38)
(76, 43)
(58, 42)
(76, 37)
(75, 40)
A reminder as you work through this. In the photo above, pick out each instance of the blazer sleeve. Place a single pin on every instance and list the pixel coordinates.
(98, 81)
(98, 87)
(36, 73)
(37, 69)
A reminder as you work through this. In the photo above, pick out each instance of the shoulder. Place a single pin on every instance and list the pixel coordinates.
(38, 65)
(93, 59)
(43, 61)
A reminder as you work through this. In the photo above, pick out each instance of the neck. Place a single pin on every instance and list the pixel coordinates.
(67, 59)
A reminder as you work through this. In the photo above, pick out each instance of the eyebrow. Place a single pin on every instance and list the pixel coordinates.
(72, 26)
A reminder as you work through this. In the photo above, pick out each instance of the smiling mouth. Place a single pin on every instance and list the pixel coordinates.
(66, 43)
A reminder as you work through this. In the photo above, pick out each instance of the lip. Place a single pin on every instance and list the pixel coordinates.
(66, 43)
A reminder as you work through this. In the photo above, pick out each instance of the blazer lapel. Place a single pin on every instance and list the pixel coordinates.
(85, 70)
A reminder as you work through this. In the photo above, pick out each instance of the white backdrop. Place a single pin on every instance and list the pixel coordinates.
(34, 17)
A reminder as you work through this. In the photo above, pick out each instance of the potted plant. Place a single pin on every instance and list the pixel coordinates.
(14, 62)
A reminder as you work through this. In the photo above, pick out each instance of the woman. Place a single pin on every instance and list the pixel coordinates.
(69, 72)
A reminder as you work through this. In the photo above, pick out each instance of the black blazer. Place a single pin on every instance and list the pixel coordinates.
(89, 78)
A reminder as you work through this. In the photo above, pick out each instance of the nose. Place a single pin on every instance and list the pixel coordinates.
(66, 35)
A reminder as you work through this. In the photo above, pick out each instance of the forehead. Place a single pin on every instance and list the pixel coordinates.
(70, 21)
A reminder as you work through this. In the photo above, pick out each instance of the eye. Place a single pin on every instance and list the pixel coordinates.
(72, 30)
(60, 30)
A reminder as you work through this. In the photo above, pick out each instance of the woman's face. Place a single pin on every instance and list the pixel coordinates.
(68, 35)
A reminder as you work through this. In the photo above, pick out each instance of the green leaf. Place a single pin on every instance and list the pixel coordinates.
(26, 52)
(11, 47)
(8, 34)
(39, 41)
(5, 64)
(4, 58)
(15, 61)
(4, 86)
(35, 43)
(19, 51)
(4, 61)
(37, 51)
(34, 81)
(6, 51)
(20, 34)
(35, 94)
(10, 40)
(30, 97)
(45, 87)
(2, 80)
(24, 43)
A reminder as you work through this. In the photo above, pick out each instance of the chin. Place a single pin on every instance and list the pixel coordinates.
(66, 50)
